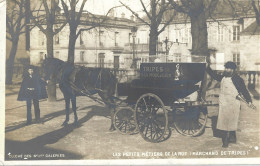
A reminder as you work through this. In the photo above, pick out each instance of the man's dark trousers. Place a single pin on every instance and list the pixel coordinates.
(36, 110)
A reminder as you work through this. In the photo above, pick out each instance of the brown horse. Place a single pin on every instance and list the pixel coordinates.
(81, 81)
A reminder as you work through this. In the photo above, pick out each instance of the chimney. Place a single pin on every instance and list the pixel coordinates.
(123, 15)
(112, 13)
(132, 17)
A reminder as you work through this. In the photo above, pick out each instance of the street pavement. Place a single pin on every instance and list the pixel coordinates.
(91, 139)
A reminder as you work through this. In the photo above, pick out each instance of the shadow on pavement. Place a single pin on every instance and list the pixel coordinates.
(48, 117)
(37, 144)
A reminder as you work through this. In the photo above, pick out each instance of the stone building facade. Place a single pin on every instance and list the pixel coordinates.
(111, 45)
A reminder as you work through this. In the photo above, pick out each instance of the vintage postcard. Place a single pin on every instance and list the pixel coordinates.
(138, 82)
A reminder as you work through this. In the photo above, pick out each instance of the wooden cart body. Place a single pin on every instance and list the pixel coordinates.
(161, 88)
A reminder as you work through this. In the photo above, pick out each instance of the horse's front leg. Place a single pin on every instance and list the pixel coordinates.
(67, 110)
(112, 112)
(74, 108)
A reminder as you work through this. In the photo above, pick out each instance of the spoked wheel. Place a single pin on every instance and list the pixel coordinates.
(151, 117)
(124, 121)
(190, 121)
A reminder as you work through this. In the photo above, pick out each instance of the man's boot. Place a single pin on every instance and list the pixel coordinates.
(232, 137)
(225, 139)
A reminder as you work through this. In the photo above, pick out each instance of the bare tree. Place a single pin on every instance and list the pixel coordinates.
(15, 26)
(155, 17)
(198, 11)
(256, 7)
(45, 20)
(73, 18)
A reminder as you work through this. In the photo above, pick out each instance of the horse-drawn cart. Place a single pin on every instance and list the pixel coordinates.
(163, 90)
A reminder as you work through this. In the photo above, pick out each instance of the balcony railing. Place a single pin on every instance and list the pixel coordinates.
(251, 78)
(142, 47)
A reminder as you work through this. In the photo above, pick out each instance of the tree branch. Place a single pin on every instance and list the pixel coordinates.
(211, 8)
(66, 11)
(145, 10)
(134, 13)
(177, 7)
(60, 28)
(80, 11)
(257, 15)
(46, 9)
(166, 24)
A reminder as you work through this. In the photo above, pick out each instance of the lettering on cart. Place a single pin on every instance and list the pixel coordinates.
(153, 69)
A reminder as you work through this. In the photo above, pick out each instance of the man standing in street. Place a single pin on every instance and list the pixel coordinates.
(231, 86)
(32, 88)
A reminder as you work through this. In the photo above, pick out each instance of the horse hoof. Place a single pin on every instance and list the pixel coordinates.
(112, 128)
(65, 123)
(75, 123)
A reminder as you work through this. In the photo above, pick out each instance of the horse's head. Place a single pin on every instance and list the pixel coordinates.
(51, 67)
(48, 68)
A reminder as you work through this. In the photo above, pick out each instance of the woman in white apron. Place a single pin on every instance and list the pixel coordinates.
(231, 86)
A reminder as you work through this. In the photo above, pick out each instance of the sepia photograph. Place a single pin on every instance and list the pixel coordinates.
(130, 82)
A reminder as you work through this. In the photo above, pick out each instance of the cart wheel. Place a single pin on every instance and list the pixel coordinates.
(124, 121)
(167, 135)
(190, 121)
(151, 117)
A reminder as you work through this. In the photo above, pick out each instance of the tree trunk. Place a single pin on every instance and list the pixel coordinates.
(72, 42)
(153, 43)
(10, 62)
(199, 41)
(27, 21)
(49, 44)
(51, 88)
(199, 31)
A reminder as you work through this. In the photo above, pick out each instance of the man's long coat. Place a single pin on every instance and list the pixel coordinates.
(229, 106)
(34, 82)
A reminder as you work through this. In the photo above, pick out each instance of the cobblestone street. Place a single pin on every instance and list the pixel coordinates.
(92, 139)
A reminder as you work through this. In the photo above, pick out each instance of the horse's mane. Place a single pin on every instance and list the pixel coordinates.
(56, 60)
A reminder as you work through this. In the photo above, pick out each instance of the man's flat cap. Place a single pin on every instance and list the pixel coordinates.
(230, 65)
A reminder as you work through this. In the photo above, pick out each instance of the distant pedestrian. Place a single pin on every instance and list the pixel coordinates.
(32, 88)
(232, 87)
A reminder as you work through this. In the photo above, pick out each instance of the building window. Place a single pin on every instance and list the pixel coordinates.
(81, 41)
(143, 35)
(130, 40)
(177, 57)
(101, 60)
(116, 62)
(230, 34)
(41, 39)
(41, 55)
(116, 38)
(236, 59)
(177, 39)
(236, 33)
(144, 59)
(57, 39)
(82, 56)
(57, 54)
(220, 34)
(188, 35)
(101, 38)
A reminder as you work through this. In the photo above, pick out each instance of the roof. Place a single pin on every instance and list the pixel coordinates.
(225, 10)
(252, 29)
